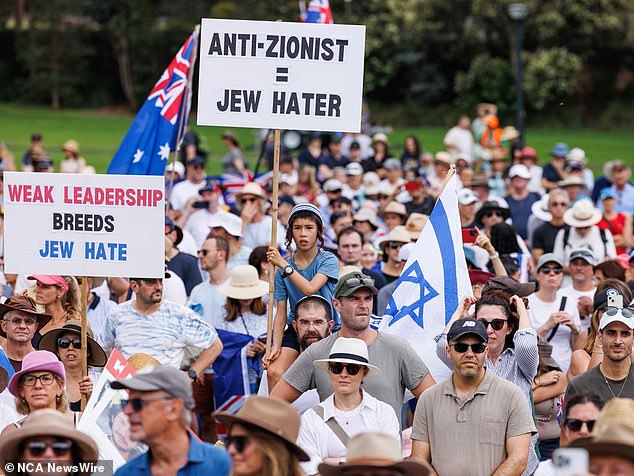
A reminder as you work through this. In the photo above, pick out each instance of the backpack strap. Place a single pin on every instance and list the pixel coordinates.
(566, 237)
(604, 239)
(333, 425)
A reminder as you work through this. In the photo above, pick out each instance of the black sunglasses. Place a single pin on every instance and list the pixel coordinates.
(204, 252)
(547, 269)
(394, 245)
(461, 347)
(238, 442)
(490, 214)
(138, 403)
(38, 447)
(337, 367)
(65, 343)
(574, 424)
(496, 324)
(245, 200)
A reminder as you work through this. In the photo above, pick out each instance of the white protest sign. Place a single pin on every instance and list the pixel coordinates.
(277, 75)
(84, 225)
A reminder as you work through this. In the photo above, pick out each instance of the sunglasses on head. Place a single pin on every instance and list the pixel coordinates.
(138, 403)
(496, 324)
(60, 447)
(337, 367)
(574, 424)
(65, 343)
(613, 311)
(461, 347)
(250, 200)
(549, 269)
(493, 213)
(354, 282)
(238, 442)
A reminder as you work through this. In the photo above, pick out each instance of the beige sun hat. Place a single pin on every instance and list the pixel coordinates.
(582, 214)
(570, 181)
(395, 207)
(372, 451)
(414, 224)
(398, 233)
(510, 133)
(251, 188)
(244, 283)
(444, 157)
(365, 214)
(46, 422)
(141, 360)
(71, 146)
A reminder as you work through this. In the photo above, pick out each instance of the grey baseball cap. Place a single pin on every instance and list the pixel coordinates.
(167, 379)
(548, 258)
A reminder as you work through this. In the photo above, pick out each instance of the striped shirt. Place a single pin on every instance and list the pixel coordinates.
(518, 366)
(164, 334)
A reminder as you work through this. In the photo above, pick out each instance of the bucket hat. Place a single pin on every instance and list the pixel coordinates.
(37, 361)
(244, 283)
(582, 214)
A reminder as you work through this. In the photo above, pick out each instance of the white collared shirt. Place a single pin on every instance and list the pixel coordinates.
(319, 441)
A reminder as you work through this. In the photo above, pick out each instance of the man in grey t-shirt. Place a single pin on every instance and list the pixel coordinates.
(400, 365)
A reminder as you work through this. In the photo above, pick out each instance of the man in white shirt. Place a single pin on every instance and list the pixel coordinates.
(582, 289)
(187, 189)
(198, 220)
(553, 314)
(459, 139)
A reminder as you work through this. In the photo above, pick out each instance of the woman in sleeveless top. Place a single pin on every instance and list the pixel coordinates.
(40, 384)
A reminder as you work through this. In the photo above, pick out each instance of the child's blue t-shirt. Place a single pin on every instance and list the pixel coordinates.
(325, 263)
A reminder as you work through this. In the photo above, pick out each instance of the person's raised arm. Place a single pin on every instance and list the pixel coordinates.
(525, 340)
(483, 241)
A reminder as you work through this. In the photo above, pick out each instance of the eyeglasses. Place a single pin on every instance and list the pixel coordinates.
(16, 321)
(45, 379)
(60, 447)
(496, 324)
(65, 343)
(394, 245)
(138, 403)
(355, 282)
(613, 311)
(205, 252)
(337, 367)
(245, 200)
(493, 213)
(574, 424)
(461, 347)
(548, 269)
(238, 442)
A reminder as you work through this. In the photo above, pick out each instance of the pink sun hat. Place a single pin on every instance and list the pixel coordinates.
(50, 280)
(37, 361)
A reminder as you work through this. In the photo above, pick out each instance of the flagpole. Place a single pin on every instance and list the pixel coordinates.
(276, 167)
(84, 334)
(179, 132)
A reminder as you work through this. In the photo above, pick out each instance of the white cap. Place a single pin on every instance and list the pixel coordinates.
(177, 167)
(521, 171)
(467, 196)
(577, 155)
(290, 179)
(615, 314)
(230, 222)
(354, 168)
(332, 184)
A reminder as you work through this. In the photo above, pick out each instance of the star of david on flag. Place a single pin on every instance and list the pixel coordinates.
(432, 283)
(146, 147)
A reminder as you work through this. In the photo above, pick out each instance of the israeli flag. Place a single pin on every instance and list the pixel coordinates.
(433, 282)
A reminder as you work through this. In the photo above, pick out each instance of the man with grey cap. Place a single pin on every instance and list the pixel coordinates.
(158, 408)
(553, 314)
(474, 422)
(614, 376)
(401, 365)
(581, 290)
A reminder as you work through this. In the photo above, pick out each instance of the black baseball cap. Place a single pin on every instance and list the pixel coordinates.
(463, 327)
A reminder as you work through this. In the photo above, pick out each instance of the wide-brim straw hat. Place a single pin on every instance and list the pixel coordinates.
(71, 146)
(244, 283)
(271, 415)
(398, 233)
(23, 304)
(372, 451)
(97, 356)
(540, 208)
(251, 188)
(46, 422)
(582, 214)
(348, 351)
(141, 360)
(570, 181)
(394, 207)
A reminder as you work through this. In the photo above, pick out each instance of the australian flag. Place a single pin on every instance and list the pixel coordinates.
(318, 12)
(152, 136)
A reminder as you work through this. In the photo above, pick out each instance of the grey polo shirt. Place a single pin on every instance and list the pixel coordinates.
(470, 437)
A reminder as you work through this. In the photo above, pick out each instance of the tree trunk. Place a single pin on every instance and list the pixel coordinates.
(121, 49)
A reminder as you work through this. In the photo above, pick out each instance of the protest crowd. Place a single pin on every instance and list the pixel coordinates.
(537, 357)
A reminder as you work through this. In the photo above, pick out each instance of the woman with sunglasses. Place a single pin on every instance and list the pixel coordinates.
(40, 384)
(262, 437)
(391, 245)
(46, 436)
(591, 354)
(66, 344)
(349, 411)
(59, 295)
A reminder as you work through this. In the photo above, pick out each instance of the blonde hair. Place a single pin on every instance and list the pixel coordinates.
(61, 401)
(71, 300)
(279, 460)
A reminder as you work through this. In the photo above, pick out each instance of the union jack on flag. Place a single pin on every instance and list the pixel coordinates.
(318, 11)
(233, 183)
(151, 138)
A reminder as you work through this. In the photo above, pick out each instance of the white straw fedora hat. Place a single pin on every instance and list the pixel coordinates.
(244, 283)
(582, 214)
(348, 351)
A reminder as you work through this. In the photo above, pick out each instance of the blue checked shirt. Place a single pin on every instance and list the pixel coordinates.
(164, 334)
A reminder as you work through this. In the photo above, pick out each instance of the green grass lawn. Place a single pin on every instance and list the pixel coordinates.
(99, 135)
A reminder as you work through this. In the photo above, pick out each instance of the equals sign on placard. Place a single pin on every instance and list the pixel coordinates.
(281, 75)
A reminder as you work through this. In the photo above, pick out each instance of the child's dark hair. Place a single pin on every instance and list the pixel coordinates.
(309, 216)
(498, 298)
(504, 239)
